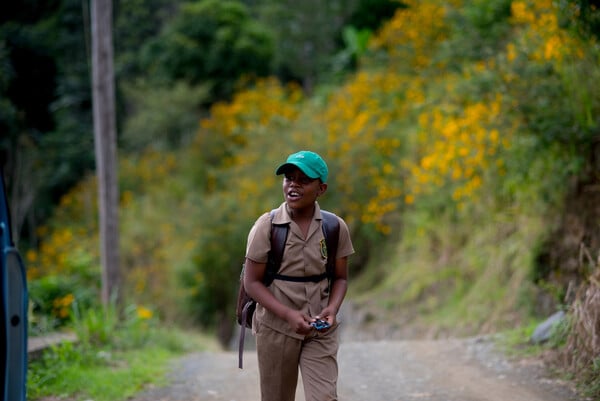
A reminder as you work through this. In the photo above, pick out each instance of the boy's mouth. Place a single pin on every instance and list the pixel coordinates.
(294, 195)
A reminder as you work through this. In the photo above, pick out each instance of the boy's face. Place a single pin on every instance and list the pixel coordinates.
(299, 190)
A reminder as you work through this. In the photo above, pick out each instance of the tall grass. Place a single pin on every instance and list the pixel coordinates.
(115, 356)
(582, 351)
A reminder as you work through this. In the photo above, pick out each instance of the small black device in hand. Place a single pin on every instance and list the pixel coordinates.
(320, 324)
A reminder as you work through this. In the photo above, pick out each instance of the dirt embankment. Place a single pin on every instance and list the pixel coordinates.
(572, 250)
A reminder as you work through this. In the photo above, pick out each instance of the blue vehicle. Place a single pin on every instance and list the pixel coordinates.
(13, 311)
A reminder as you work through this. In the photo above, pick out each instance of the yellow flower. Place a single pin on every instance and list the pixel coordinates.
(144, 313)
(68, 299)
(31, 256)
(511, 52)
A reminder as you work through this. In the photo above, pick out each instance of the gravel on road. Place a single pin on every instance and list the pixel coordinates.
(403, 370)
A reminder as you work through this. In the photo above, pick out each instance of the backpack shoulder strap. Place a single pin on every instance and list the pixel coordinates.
(279, 233)
(331, 231)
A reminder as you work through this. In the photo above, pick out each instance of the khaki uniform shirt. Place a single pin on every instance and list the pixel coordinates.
(301, 257)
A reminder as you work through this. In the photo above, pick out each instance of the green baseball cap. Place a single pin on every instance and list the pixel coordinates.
(309, 162)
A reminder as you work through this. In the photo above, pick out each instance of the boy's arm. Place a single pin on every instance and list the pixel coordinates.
(253, 282)
(338, 291)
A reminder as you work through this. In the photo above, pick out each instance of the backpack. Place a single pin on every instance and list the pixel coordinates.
(246, 305)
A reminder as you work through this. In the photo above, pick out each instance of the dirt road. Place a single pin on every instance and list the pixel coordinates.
(436, 370)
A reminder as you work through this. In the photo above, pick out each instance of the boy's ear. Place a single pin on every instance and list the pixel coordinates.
(322, 189)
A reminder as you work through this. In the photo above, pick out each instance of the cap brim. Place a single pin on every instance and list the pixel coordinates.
(310, 173)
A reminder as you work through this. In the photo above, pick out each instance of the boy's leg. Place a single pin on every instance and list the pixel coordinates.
(278, 364)
(318, 364)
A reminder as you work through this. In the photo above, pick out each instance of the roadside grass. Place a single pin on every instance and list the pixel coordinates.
(64, 372)
(132, 355)
(515, 343)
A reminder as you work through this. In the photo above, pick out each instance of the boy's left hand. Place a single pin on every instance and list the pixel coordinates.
(328, 315)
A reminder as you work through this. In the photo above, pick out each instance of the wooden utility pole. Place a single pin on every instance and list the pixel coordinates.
(105, 139)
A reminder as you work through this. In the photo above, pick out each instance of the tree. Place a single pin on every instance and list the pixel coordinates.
(45, 142)
(307, 33)
(105, 139)
(209, 42)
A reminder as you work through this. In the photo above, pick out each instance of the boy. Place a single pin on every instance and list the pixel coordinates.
(285, 338)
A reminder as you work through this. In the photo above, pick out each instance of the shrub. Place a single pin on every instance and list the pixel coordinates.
(52, 299)
(582, 351)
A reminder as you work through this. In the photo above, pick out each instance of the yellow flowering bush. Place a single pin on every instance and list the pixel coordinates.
(69, 236)
(543, 39)
(457, 147)
(62, 306)
(363, 145)
(562, 64)
(251, 113)
(410, 38)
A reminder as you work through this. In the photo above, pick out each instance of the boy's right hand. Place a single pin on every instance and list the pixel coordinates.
(299, 322)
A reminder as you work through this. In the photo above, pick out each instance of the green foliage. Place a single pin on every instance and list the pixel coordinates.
(109, 343)
(51, 300)
(218, 259)
(592, 387)
(516, 340)
(355, 42)
(479, 29)
(110, 373)
(587, 15)
(135, 23)
(371, 14)
(95, 327)
(45, 143)
(22, 46)
(98, 327)
(306, 36)
(209, 42)
(162, 118)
